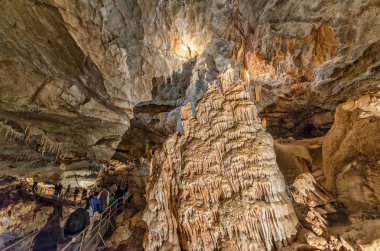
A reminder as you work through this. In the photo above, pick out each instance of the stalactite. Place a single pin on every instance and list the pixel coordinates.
(50, 146)
(9, 133)
(29, 133)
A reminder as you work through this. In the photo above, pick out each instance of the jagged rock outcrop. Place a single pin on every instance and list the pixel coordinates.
(218, 185)
(329, 225)
(92, 62)
(307, 192)
(20, 219)
(129, 232)
(351, 154)
(308, 57)
(18, 214)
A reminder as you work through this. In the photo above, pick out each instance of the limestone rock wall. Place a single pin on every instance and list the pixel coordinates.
(218, 185)
(131, 42)
(329, 225)
(64, 61)
(20, 219)
(308, 57)
(18, 214)
(351, 153)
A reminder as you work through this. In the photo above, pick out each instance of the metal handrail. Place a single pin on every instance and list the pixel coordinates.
(40, 192)
(22, 240)
(105, 218)
(51, 193)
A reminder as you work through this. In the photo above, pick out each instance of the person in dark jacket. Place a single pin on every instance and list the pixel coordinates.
(56, 190)
(84, 194)
(67, 193)
(76, 192)
(119, 192)
(74, 226)
(125, 193)
(59, 189)
(77, 221)
(125, 190)
(104, 198)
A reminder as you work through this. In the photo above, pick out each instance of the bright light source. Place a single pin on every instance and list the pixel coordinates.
(186, 48)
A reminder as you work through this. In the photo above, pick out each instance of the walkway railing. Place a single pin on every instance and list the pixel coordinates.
(25, 243)
(52, 195)
(93, 234)
(86, 240)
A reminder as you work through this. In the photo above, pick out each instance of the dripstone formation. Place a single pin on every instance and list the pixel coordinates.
(218, 185)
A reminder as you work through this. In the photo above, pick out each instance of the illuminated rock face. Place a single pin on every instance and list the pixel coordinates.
(351, 154)
(87, 65)
(21, 218)
(218, 185)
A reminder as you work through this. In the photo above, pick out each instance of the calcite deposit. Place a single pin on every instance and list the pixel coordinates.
(306, 191)
(218, 185)
(100, 91)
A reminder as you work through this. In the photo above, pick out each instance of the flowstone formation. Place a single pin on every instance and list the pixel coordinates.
(218, 185)
(351, 150)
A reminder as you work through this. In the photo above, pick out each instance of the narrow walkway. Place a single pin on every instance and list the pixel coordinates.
(93, 235)
(48, 194)
(89, 239)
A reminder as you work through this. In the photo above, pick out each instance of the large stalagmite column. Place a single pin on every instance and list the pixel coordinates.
(218, 185)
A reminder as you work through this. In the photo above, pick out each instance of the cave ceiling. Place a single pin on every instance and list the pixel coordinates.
(106, 78)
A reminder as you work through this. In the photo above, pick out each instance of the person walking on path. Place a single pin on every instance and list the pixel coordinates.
(94, 203)
(112, 198)
(76, 192)
(59, 189)
(119, 192)
(104, 198)
(67, 193)
(75, 224)
(113, 188)
(126, 194)
(84, 194)
(56, 190)
(77, 221)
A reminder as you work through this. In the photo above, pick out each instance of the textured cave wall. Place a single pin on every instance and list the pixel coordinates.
(134, 43)
(43, 67)
(71, 61)
(309, 56)
(75, 60)
(351, 154)
(49, 87)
